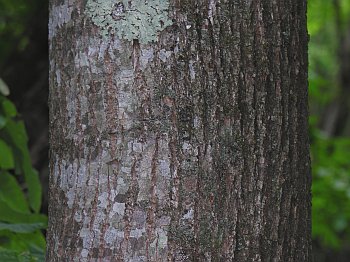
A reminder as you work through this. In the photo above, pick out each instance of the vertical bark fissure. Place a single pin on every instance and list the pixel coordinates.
(152, 210)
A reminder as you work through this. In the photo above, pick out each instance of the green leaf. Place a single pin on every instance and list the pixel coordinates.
(34, 187)
(12, 194)
(8, 255)
(15, 132)
(4, 89)
(37, 253)
(22, 228)
(9, 108)
(25, 257)
(3, 121)
(33, 242)
(6, 156)
(7, 214)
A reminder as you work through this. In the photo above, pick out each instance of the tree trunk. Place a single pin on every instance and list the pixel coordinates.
(179, 131)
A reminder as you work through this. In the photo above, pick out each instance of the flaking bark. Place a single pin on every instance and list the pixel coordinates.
(191, 148)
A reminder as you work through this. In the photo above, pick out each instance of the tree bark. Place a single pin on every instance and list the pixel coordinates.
(178, 131)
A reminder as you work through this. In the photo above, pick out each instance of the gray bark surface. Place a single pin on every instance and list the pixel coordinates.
(190, 147)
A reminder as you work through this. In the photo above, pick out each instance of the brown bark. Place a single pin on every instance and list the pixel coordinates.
(193, 147)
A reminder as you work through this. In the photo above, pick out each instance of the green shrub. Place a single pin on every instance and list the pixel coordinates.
(21, 238)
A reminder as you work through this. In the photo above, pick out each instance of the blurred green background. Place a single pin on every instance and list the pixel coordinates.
(24, 68)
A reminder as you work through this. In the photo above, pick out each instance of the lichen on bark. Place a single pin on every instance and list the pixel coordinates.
(138, 19)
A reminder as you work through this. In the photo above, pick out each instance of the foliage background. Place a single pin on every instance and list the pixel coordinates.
(329, 89)
(24, 67)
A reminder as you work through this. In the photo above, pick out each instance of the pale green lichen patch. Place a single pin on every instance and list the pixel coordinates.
(137, 19)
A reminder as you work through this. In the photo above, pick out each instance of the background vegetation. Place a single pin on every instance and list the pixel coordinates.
(329, 89)
(24, 67)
